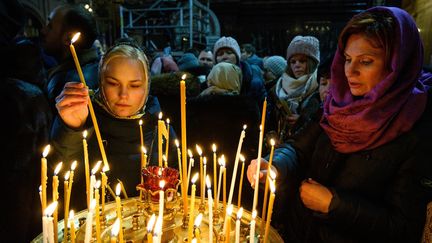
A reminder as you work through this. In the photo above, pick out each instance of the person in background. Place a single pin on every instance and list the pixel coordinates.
(248, 54)
(63, 22)
(324, 77)
(362, 172)
(274, 67)
(226, 49)
(119, 104)
(26, 123)
(205, 58)
(294, 98)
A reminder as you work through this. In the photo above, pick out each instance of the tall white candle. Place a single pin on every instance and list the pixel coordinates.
(89, 222)
(191, 164)
(47, 223)
(119, 211)
(157, 233)
(214, 171)
(192, 207)
(261, 134)
(210, 208)
(221, 170)
(93, 179)
(252, 227)
(237, 228)
(234, 174)
(150, 225)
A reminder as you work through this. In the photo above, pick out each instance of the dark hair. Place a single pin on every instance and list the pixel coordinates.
(249, 48)
(324, 69)
(76, 19)
(378, 27)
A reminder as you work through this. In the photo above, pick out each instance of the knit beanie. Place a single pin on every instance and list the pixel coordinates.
(227, 42)
(187, 61)
(276, 65)
(307, 45)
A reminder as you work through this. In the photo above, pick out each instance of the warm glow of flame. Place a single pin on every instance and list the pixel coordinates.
(177, 143)
(205, 160)
(58, 168)
(242, 158)
(105, 168)
(272, 142)
(144, 150)
(140, 122)
(164, 158)
(75, 37)
(67, 175)
(239, 213)
(160, 172)
(74, 165)
(92, 204)
(222, 160)
(168, 121)
(98, 184)
(115, 228)
(244, 127)
(151, 223)
(194, 178)
(50, 209)
(208, 182)
(71, 217)
(229, 210)
(272, 187)
(162, 184)
(198, 220)
(118, 189)
(272, 174)
(254, 214)
(46, 151)
(190, 153)
(85, 134)
(183, 77)
(198, 149)
(160, 115)
(40, 188)
(214, 148)
(96, 167)
(194, 240)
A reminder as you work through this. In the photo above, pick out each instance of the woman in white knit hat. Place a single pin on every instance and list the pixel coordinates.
(293, 99)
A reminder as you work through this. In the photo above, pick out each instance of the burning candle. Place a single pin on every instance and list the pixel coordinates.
(227, 222)
(104, 184)
(123, 189)
(55, 195)
(86, 167)
(183, 140)
(270, 210)
(242, 158)
(252, 227)
(40, 194)
(201, 173)
(97, 218)
(261, 134)
(141, 142)
(165, 161)
(214, 170)
(161, 127)
(44, 177)
(89, 222)
(179, 163)
(224, 186)
(237, 228)
(118, 209)
(90, 105)
(192, 207)
(167, 139)
(234, 174)
(210, 208)
(203, 179)
(197, 224)
(150, 225)
(221, 170)
(71, 224)
(93, 178)
(161, 198)
(191, 164)
(47, 223)
(144, 158)
(115, 231)
(66, 205)
(271, 175)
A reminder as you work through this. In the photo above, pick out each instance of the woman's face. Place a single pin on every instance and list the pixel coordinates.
(226, 55)
(124, 86)
(364, 64)
(298, 65)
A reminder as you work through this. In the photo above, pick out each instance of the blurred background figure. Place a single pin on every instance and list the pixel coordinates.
(274, 67)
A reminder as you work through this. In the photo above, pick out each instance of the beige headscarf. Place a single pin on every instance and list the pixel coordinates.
(224, 78)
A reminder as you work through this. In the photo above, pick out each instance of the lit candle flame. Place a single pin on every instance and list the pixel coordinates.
(229, 210)
(115, 228)
(190, 153)
(272, 187)
(151, 223)
(244, 127)
(50, 209)
(183, 77)
(254, 214)
(272, 142)
(272, 174)
(205, 160)
(168, 121)
(85, 134)
(198, 220)
(208, 183)
(242, 158)
(74, 165)
(140, 122)
(214, 148)
(240, 213)
(160, 115)
(58, 168)
(75, 37)
(71, 218)
(144, 150)
(199, 150)
(177, 143)
(194, 178)
(96, 167)
(162, 184)
(194, 240)
(222, 161)
(118, 189)
(105, 168)
(40, 188)
(98, 184)
(46, 151)
(66, 177)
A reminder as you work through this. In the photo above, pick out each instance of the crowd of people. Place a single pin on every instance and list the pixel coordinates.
(352, 130)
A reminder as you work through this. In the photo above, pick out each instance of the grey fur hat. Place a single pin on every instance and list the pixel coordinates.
(307, 45)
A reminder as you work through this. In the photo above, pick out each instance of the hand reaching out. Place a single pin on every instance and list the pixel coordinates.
(72, 103)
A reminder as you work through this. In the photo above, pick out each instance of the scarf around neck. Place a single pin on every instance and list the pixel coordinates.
(294, 91)
(391, 108)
